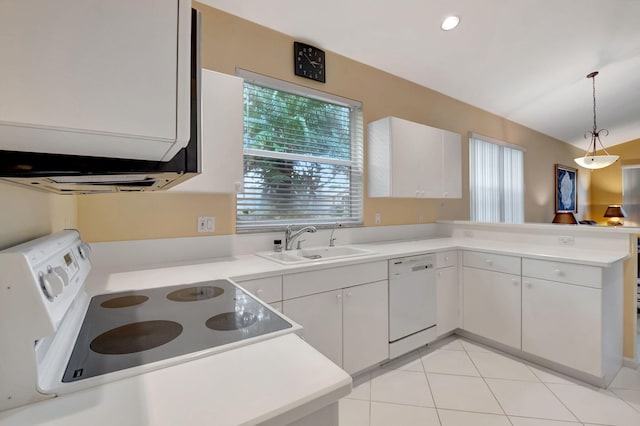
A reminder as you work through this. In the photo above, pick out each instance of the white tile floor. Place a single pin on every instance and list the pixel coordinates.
(460, 383)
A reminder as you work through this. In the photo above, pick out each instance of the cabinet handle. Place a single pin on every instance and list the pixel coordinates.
(339, 297)
(489, 262)
(439, 274)
(528, 284)
(259, 291)
(349, 294)
(446, 258)
(513, 280)
(558, 272)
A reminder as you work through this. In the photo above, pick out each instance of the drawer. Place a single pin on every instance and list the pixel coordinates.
(492, 262)
(444, 259)
(266, 289)
(312, 282)
(584, 275)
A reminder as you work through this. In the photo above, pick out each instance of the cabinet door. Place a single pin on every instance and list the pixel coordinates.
(492, 305)
(447, 300)
(365, 326)
(563, 323)
(429, 156)
(321, 316)
(221, 146)
(409, 152)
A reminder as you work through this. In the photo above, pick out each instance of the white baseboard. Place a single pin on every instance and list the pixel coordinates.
(630, 363)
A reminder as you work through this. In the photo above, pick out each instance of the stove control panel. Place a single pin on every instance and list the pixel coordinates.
(59, 272)
(45, 275)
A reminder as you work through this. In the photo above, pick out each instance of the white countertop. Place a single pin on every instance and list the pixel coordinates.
(272, 382)
(250, 266)
(253, 383)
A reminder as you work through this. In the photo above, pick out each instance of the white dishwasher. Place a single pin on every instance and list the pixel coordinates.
(412, 303)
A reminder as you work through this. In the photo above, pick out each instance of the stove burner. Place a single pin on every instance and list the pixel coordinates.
(192, 294)
(124, 301)
(231, 321)
(136, 337)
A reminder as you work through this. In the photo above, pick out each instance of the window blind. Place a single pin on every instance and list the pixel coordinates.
(496, 174)
(303, 160)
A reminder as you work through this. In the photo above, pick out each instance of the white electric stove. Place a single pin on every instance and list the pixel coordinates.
(57, 339)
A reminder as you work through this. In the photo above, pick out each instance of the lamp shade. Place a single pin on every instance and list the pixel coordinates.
(615, 211)
(565, 218)
(596, 161)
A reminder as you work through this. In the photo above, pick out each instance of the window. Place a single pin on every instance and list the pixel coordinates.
(302, 157)
(631, 194)
(496, 175)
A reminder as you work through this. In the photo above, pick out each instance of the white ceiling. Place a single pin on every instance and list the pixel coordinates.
(525, 60)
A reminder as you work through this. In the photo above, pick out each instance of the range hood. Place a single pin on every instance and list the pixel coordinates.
(76, 174)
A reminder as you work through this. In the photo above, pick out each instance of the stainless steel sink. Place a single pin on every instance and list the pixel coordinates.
(314, 254)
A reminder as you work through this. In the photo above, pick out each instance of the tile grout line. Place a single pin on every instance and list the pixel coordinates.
(487, 385)
(424, 370)
(624, 400)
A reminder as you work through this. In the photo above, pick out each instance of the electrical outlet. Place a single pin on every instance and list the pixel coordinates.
(377, 218)
(206, 223)
(566, 240)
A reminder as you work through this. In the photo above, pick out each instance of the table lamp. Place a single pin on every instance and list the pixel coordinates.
(615, 213)
(565, 218)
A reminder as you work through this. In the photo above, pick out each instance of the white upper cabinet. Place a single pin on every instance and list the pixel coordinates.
(221, 141)
(411, 160)
(94, 77)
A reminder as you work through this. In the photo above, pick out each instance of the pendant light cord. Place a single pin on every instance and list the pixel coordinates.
(595, 134)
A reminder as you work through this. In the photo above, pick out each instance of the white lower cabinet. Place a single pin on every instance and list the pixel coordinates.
(562, 323)
(448, 292)
(349, 326)
(321, 316)
(365, 325)
(448, 305)
(492, 305)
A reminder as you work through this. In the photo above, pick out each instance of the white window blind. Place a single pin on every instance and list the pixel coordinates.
(631, 194)
(303, 160)
(496, 173)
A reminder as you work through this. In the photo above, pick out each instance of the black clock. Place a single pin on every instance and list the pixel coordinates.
(308, 62)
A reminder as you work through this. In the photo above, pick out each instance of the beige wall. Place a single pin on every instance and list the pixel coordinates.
(26, 214)
(606, 189)
(229, 43)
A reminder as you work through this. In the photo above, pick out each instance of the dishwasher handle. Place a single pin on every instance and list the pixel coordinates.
(422, 267)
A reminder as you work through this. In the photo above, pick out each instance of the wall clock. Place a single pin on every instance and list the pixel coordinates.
(309, 62)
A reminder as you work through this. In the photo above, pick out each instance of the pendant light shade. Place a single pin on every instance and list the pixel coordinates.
(590, 159)
(596, 161)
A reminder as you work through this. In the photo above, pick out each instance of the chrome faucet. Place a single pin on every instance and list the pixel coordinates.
(332, 241)
(291, 235)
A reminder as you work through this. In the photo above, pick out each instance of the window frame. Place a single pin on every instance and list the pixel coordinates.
(356, 164)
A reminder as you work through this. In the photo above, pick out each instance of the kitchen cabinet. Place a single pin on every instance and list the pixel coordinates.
(267, 289)
(492, 297)
(222, 133)
(412, 160)
(571, 315)
(448, 297)
(321, 317)
(97, 78)
(365, 336)
(344, 312)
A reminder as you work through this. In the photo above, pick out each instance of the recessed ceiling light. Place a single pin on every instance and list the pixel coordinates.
(450, 22)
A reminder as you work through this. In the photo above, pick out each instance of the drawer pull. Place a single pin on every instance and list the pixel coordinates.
(339, 297)
(558, 272)
(259, 291)
(489, 262)
(349, 294)
(513, 280)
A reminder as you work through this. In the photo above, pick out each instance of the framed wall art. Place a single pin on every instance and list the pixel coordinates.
(566, 189)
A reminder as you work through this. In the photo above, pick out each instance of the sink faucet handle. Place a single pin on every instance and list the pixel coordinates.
(299, 246)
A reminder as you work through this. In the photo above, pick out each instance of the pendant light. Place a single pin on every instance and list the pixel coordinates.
(590, 159)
